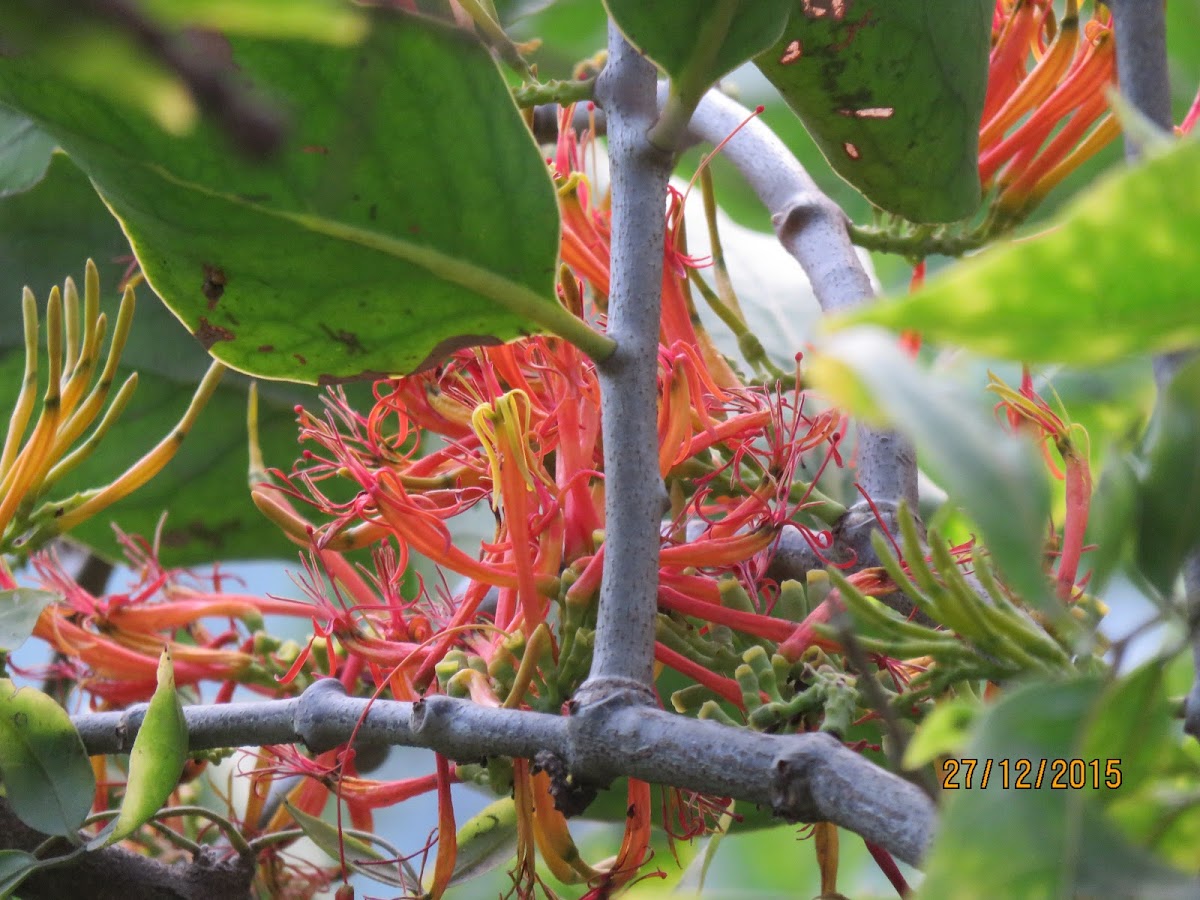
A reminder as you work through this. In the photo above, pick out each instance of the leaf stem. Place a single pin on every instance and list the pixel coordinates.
(562, 92)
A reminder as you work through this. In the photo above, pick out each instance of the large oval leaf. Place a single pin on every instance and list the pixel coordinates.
(1116, 274)
(892, 92)
(409, 213)
(46, 773)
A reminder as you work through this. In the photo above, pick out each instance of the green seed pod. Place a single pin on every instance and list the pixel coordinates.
(156, 761)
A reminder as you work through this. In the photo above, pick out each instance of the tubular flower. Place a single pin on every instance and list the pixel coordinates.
(1046, 109)
(111, 644)
(1027, 411)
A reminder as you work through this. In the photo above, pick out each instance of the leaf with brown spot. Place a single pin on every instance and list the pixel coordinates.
(214, 284)
(400, 272)
(892, 93)
(208, 334)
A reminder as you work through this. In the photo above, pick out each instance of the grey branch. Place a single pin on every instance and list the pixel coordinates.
(805, 777)
(1141, 33)
(634, 494)
(813, 229)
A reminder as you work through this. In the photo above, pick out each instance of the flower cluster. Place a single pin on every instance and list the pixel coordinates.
(517, 427)
(1046, 109)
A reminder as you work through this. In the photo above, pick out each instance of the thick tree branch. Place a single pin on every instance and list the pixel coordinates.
(634, 494)
(1141, 33)
(117, 874)
(806, 777)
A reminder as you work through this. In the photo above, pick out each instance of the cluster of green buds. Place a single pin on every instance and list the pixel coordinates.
(985, 637)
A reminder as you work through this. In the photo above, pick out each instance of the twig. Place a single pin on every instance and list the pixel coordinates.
(555, 91)
(635, 498)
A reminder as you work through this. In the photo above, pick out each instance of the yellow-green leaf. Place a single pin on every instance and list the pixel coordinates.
(1116, 273)
(44, 767)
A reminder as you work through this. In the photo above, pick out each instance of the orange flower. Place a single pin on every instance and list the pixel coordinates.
(1041, 122)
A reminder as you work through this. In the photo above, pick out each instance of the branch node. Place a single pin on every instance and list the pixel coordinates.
(792, 779)
(609, 694)
(572, 796)
(799, 211)
(312, 720)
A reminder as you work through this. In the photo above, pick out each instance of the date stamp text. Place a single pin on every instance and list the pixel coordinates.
(1031, 774)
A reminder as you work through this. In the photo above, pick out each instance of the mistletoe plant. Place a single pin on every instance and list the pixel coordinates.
(714, 590)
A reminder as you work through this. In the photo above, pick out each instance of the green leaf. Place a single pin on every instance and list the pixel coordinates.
(15, 867)
(893, 94)
(1131, 722)
(47, 233)
(1111, 519)
(942, 733)
(325, 21)
(1168, 511)
(1114, 274)
(1041, 842)
(45, 769)
(699, 41)
(487, 840)
(25, 152)
(864, 371)
(359, 855)
(155, 762)
(19, 611)
(410, 212)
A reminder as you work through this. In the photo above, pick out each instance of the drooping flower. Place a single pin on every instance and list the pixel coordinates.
(1027, 411)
